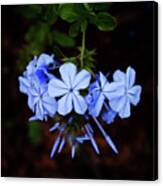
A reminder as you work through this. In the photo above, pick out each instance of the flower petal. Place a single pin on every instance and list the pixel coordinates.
(119, 76)
(31, 66)
(45, 60)
(65, 104)
(103, 80)
(49, 104)
(109, 116)
(130, 77)
(80, 105)
(82, 80)
(134, 94)
(56, 88)
(117, 104)
(24, 85)
(95, 109)
(68, 72)
(125, 112)
(31, 102)
(39, 111)
(114, 90)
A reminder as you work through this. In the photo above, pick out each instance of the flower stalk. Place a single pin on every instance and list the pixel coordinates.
(82, 49)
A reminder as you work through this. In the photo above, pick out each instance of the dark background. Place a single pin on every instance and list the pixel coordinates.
(132, 43)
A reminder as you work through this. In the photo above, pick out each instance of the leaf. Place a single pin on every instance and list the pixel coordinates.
(63, 39)
(74, 29)
(89, 6)
(58, 53)
(68, 12)
(105, 22)
(49, 13)
(36, 38)
(84, 25)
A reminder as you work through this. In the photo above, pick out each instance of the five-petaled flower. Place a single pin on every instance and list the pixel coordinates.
(69, 88)
(98, 92)
(124, 92)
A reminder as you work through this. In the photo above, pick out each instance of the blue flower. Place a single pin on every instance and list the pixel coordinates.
(69, 88)
(124, 92)
(39, 100)
(109, 116)
(39, 68)
(98, 91)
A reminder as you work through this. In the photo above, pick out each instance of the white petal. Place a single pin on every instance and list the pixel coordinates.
(80, 105)
(44, 59)
(130, 77)
(117, 104)
(24, 85)
(119, 76)
(68, 72)
(125, 112)
(103, 80)
(114, 90)
(95, 109)
(82, 80)
(134, 94)
(65, 104)
(49, 104)
(56, 88)
(39, 111)
(31, 102)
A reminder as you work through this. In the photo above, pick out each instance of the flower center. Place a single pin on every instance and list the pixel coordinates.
(71, 89)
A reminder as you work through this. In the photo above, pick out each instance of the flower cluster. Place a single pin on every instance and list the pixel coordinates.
(77, 99)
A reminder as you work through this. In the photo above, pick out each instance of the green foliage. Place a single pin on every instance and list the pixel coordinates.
(105, 22)
(74, 29)
(63, 39)
(34, 132)
(68, 12)
(42, 33)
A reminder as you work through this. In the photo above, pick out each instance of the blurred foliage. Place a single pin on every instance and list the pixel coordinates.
(34, 132)
(43, 31)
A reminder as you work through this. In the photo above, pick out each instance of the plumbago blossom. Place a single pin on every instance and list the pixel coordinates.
(79, 100)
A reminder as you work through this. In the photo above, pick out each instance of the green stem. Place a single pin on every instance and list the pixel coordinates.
(82, 49)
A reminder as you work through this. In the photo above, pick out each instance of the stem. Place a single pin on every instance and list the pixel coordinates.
(82, 49)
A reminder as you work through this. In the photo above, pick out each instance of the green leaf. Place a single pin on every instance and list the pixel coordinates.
(84, 25)
(58, 53)
(36, 38)
(89, 6)
(74, 29)
(105, 22)
(49, 13)
(63, 39)
(68, 12)
(34, 132)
